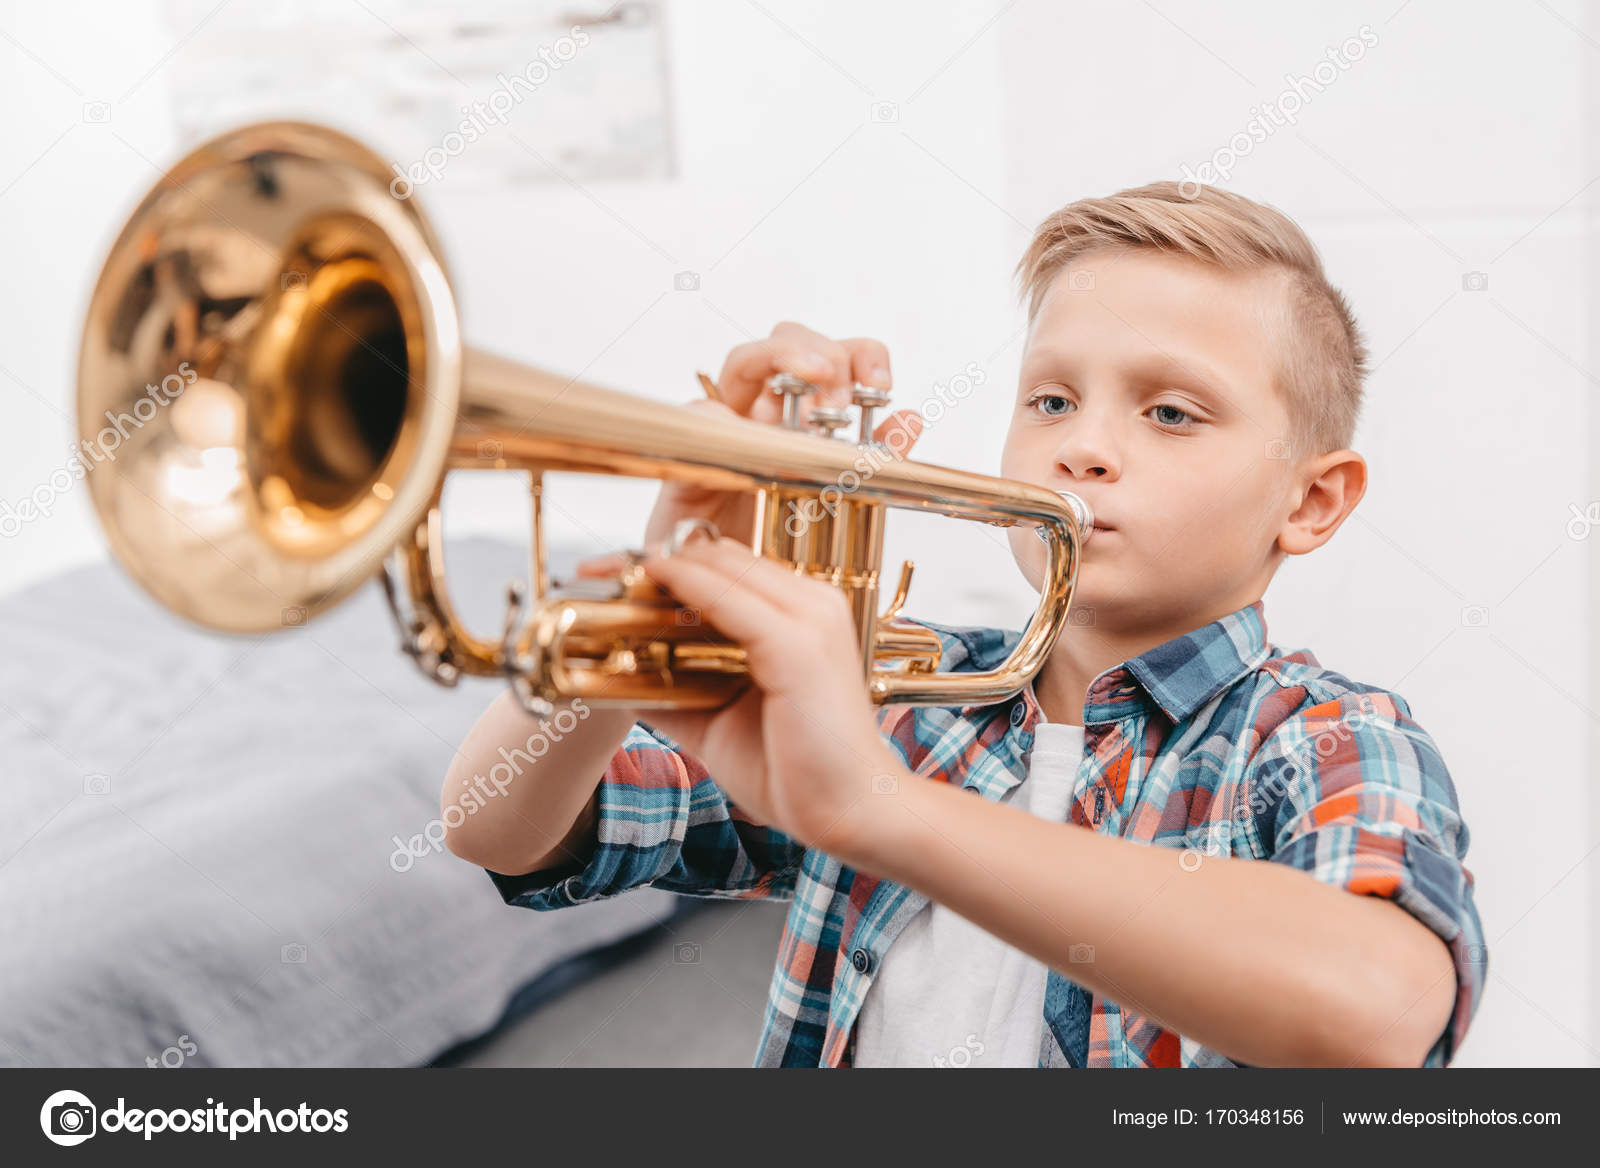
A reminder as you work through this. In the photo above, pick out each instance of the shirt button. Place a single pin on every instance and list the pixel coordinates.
(862, 960)
(1018, 713)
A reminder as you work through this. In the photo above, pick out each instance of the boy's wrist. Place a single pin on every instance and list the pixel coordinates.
(857, 832)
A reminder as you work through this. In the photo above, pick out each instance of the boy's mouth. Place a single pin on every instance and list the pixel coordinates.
(1097, 534)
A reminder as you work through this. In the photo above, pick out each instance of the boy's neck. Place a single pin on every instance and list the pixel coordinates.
(1083, 652)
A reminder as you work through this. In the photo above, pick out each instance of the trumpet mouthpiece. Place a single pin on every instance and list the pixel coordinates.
(1081, 511)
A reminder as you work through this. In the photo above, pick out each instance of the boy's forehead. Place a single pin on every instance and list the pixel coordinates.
(1137, 305)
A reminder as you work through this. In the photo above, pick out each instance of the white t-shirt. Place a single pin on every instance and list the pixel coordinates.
(949, 994)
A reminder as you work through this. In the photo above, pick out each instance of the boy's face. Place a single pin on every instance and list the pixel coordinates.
(1147, 389)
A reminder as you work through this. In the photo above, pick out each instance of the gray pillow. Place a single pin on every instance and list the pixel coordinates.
(200, 839)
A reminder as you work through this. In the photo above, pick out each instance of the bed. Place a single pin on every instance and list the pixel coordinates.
(201, 857)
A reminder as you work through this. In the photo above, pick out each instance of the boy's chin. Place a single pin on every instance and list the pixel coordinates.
(1034, 575)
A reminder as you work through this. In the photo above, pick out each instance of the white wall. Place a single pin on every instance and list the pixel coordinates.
(1462, 141)
(1590, 207)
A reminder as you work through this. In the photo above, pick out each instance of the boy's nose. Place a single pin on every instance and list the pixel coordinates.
(1088, 453)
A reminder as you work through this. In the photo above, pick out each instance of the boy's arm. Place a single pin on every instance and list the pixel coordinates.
(646, 814)
(1356, 794)
(1267, 963)
(524, 793)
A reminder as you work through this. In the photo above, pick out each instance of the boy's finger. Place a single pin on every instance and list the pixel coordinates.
(606, 565)
(900, 431)
(793, 348)
(745, 374)
(785, 590)
(835, 383)
(733, 608)
(869, 362)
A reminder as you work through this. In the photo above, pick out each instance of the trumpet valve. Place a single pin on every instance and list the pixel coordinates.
(825, 420)
(793, 389)
(869, 399)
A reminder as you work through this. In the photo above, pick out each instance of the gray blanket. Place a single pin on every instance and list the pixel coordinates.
(200, 840)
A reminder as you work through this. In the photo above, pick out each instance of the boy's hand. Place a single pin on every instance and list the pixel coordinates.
(833, 366)
(800, 749)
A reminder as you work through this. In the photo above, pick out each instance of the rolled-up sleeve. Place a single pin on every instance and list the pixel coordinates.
(662, 821)
(1354, 792)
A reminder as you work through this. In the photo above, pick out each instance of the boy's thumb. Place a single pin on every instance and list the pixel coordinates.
(900, 431)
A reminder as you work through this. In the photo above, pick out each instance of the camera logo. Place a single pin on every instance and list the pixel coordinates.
(67, 1118)
(1582, 522)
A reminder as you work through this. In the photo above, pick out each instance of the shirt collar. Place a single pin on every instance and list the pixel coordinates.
(1179, 676)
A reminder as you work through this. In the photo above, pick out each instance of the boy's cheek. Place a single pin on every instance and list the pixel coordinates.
(1028, 553)
(1012, 458)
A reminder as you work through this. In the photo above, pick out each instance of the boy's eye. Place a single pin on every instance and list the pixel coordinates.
(1182, 415)
(1051, 405)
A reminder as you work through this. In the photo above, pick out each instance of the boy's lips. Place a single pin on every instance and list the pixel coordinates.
(1098, 531)
(1098, 521)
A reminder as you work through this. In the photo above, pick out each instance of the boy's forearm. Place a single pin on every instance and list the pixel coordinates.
(525, 788)
(1255, 960)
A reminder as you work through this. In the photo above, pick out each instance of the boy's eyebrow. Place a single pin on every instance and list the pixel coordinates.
(1038, 359)
(1194, 373)
(1158, 366)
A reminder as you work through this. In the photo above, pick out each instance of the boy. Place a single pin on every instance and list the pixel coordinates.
(1190, 847)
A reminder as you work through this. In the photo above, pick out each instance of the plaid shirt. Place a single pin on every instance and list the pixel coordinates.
(1215, 741)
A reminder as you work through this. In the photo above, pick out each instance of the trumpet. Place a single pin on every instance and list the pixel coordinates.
(280, 329)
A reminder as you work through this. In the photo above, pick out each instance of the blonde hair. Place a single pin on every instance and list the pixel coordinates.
(1326, 361)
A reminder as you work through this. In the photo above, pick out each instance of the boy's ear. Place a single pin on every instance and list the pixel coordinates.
(1330, 488)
